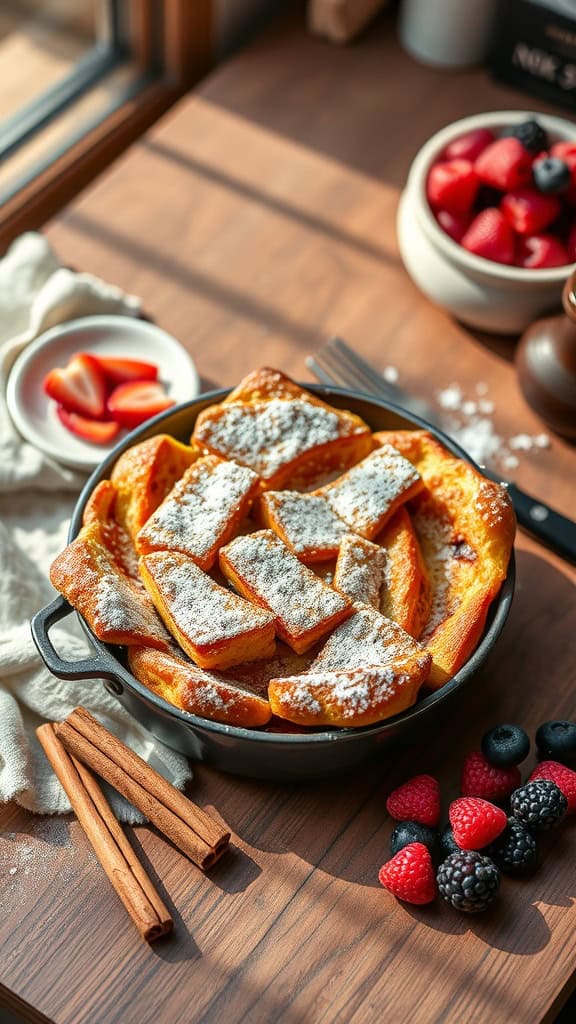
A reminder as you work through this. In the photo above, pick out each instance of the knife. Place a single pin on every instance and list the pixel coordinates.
(336, 363)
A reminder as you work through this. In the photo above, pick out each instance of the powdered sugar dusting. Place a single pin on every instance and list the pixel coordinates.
(266, 436)
(364, 640)
(195, 517)
(340, 696)
(201, 609)
(306, 521)
(124, 607)
(364, 495)
(361, 570)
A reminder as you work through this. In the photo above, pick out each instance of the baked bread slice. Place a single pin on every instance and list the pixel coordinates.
(215, 627)
(202, 512)
(262, 569)
(368, 494)
(282, 432)
(367, 639)
(405, 595)
(360, 570)
(116, 607)
(305, 523)
(100, 509)
(143, 476)
(465, 526)
(197, 691)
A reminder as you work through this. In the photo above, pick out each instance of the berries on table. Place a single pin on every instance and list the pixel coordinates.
(505, 164)
(539, 805)
(528, 211)
(490, 236)
(563, 776)
(468, 881)
(551, 175)
(447, 842)
(480, 778)
(413, 832)
(540, 252)
(410, 875)
(531, 134)
(468, 146)
(515, 851)
(452, 186)
(556, 741)
(476, 822)
(416, 800)
(505, 745)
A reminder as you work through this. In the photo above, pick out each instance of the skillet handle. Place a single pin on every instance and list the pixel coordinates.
(100, 666)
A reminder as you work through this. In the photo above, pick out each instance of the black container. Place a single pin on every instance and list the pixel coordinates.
(279, 756)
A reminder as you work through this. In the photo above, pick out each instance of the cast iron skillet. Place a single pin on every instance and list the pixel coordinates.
(266, 755)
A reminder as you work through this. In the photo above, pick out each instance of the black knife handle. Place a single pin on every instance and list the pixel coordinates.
(549, 527)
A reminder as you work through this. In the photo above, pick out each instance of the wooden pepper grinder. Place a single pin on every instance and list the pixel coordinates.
(546, 364)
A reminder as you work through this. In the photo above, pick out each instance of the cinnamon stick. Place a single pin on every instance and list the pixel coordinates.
(193, 831)
(110, 844)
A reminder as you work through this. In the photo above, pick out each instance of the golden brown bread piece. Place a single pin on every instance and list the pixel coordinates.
(143, 476)
(360, 570)
(215, 627)
(262, 569)
(305, 523)
(465, 525)
(405, 596)
(197, 691)
(202, 512)
(116, 607)
(284, 433)
(100, 509)
(368, 494)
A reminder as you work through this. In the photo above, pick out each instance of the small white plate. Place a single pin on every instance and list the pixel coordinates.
(35, 414)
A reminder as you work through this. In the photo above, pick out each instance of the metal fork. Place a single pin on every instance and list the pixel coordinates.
(336, 363)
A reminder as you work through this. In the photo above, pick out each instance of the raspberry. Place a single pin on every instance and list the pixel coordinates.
(410, 875)
(564, 778)
(528, 212)
(416, 800)
(505, 745)
(475, 822)
(490, 236)
(453, 224)
(537, 252)
(479, 778)
(452, 186)
(556, 741)
(469, 145)
(514, 851)
(468, 881)
(505, 165)
(539, 805)
(531, 134)
(411, 832)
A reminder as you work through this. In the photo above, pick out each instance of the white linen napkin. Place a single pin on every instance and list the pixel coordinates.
(36, 499)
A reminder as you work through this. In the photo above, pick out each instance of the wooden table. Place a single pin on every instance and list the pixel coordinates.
(256, 219)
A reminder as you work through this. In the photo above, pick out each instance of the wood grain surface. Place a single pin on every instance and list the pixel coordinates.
(256, 219)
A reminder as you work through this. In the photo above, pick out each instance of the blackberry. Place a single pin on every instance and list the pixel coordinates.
(412, 832)
(515, 851)
(531, 134)
(539, 805)
(505, 745)
(469, 881)
(551, 175)
(556, 741)
(448, 843)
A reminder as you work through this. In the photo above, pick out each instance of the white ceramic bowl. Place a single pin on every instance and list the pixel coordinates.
(487, 295)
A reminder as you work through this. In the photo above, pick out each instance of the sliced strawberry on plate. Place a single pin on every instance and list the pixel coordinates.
(132, 403)
(119, 370)
(95, 431)
(79, 387)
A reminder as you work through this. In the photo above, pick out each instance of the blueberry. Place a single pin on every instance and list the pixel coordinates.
(447, 842)
(531, 134)
(412, 832)
(551, 175)
(505, 745)
(556, 741)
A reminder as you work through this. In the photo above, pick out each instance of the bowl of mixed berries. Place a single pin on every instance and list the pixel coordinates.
(487, 220)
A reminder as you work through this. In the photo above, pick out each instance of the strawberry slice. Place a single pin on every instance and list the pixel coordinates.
(80, 386)
(119, 370)
(538, 252)
(96, 431)
(132, 403)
